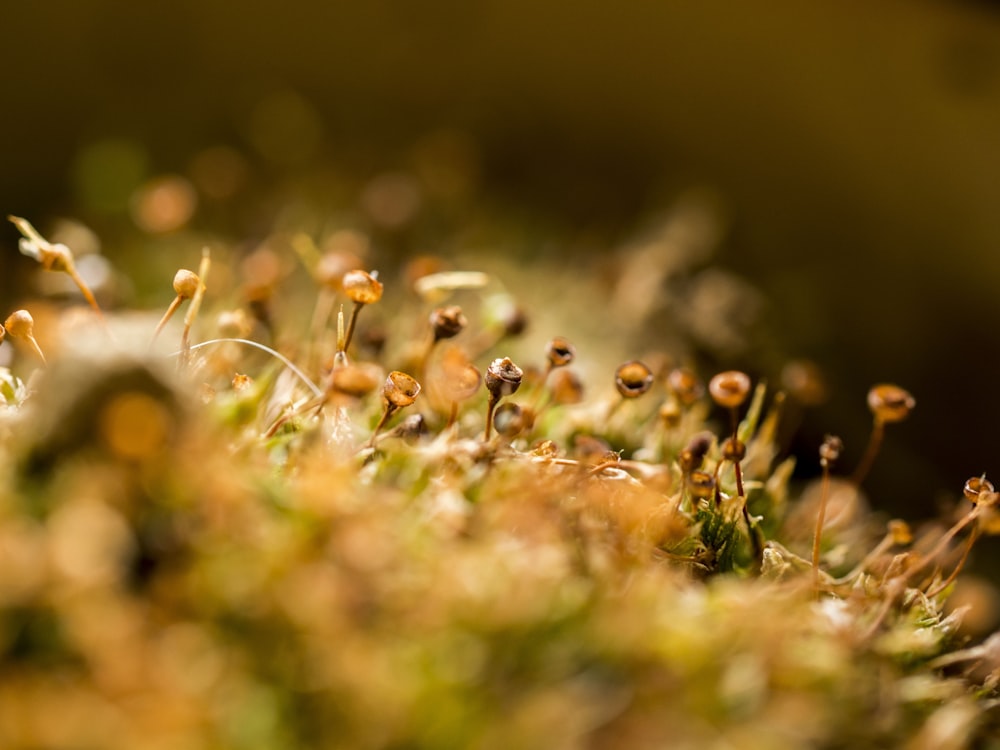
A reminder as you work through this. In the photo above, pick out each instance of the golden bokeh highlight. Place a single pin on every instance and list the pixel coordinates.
(163, 204)
(135, 426)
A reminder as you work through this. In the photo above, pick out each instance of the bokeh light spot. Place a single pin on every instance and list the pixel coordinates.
(135, 426)
(163, 204)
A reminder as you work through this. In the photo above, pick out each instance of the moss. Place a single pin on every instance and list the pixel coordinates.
(282, 565)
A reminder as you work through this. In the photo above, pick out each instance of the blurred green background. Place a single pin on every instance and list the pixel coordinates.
(853, 149)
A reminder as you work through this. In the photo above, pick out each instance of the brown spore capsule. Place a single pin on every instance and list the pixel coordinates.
(734, 449)
(670, 413)
(730, 389)
(890, 403)
(976, 486)
(559, 352)
(685, 386)
(900, 532)
(830, 450)
(447, 322)
(400, 390)
(694, 452)
(633, 378)
(503, 377)
(702, 484)
(361, 287)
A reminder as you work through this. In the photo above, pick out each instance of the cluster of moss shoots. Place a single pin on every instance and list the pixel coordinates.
(443, 555)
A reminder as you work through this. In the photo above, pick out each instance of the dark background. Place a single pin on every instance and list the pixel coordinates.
(854, 145)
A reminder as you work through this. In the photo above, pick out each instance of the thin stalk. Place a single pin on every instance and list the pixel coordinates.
(820, 519)
(954, 574)
(350, 326)
(490, 408)
(33, 342)
(85, 291)
(389, 411)
(874, 443)
(944, 540)
(166, 317)
(195, 306)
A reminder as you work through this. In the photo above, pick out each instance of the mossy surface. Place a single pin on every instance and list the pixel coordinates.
(199, 552)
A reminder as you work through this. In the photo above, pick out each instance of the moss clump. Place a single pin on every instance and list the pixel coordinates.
(198, 557)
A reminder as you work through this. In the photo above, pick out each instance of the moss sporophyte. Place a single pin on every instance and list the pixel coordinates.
(236, 532)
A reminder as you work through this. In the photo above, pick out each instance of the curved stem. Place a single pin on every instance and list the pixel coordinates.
(257, 345)
(874, 443)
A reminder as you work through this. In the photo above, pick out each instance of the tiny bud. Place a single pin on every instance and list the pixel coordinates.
(976, 486)
(186, 283)
(683, 383)
(400, 390)
(633, 378)
(890, 403)
(702, 484)
(900, 532)
(734, 450)
(694, 452)
(447, 322)
(361, 287)
(503, 377)
(730, 389)
(20, 324)
(670, 413)
(559, 352)
(830, 450)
